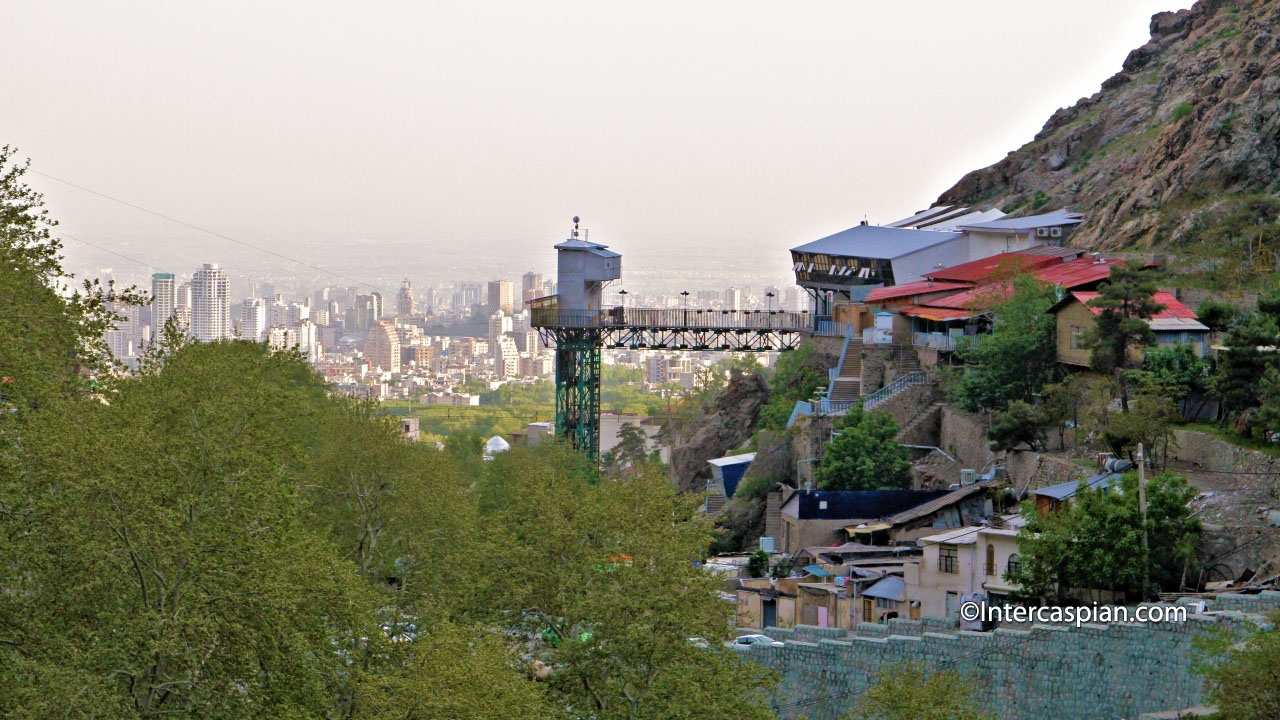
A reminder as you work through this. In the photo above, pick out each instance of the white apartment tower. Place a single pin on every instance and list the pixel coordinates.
(253, 319)
(210, 304)
(404, 302)
(733, 299)
(162, 299)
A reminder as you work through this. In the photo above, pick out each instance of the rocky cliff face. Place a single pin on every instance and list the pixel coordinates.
(728, 424)
(1192, 118)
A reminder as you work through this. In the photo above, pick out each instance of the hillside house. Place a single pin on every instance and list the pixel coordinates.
(818, 517)
(1175, 324)
(1051, 499)
(963, 562)
(726, 473)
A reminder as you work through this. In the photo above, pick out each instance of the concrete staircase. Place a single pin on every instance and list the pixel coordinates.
(905, 359)
(773, 517)
(847, 385)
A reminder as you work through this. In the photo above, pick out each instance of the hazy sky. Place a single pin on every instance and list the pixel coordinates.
(378, 128)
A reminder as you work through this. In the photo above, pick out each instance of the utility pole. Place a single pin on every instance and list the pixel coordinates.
(1142, 505)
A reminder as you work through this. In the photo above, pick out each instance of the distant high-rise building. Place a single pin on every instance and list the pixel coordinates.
(162, 296)
(182, 297)
(382, 347)
(210, 304)
(122, 338)
(732, 299)
(378, 307)
(499, 325)
(253, 319)
(506, 357)
(530, 287)
(472, 293)
(404, 302)
(501, 296)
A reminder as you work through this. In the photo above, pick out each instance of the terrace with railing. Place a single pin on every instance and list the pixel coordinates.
(545, 313)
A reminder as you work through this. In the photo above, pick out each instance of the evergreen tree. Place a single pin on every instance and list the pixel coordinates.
(1125, 303)
(1019, 356)
(865, 455)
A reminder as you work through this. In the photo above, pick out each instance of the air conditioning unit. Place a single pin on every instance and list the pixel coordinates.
(1042, 232)
(1055, 232)
(767, 544)
(968, 477)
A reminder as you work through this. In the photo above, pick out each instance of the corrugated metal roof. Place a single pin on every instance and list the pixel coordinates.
(952, 222)
(934, 211)
(932, 313)
(919, 287)
(979, 298)
(959, 536)
(937, 504)
(1080, 271)
(874, 241)
(1062, 491)
(890, 587)
(979, 270)
(1174, 317)
(1031, 222)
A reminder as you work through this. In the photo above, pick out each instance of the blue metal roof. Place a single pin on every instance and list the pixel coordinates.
(857, 504)
(875, 241)
(1062, 491)
(891, 587)
(816, 570)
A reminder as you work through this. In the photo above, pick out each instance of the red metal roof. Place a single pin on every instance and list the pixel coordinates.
(919, 287)
(1172, 308)
(979, 270)
(1080, 271)
(932, 313)
(980, 297)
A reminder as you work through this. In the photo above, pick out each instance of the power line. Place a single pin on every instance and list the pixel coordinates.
(203, 230)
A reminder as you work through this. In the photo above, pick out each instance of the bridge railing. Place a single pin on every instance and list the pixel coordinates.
(545, 312)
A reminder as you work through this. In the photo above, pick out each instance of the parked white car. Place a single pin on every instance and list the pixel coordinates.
(746, 642)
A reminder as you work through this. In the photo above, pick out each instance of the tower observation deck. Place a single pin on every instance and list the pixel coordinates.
(579, 327)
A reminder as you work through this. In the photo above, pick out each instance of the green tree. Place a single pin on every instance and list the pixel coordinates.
(52, 340)
(606, 568)
(865, 454)
(1125, 303)
(1019, 356)
(794, 378)
(1217, 315)
(758, 564)
(1179, 373)
(1019, 424)
(1241, 679)
(1094, 543)
(160, 560)
(1244, 362)
(630, 454)
(908, 691)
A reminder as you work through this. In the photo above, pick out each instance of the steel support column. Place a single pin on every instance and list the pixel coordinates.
(578, 388)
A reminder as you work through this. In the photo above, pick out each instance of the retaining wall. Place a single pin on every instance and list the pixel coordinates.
(1096, 671)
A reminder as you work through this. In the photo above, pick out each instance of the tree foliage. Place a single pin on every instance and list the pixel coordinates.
(908, 691)
(1241, 679)
(793, 379)
(1019, 356)
(865, 454)
(1125, 302)
(1094, 543)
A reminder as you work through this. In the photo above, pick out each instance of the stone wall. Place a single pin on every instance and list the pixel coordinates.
(1033, 470)
(1096, 671)
(964, 437)
(1206, 451)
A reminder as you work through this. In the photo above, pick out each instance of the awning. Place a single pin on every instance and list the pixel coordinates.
(873, 527)
(817, 570)
(937, 314)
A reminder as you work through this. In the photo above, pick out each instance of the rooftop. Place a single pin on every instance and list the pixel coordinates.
(855, 504)
(919, 287)
(875, 241)
(939, 503)
(1030, 222)
(890, 587)
(733, 459)
(1062, 491)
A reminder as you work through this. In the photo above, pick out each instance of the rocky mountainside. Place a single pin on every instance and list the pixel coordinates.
(726, 425)
(1175, 140)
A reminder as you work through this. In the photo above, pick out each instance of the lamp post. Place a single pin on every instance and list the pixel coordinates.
(768, 301)
(684, 303)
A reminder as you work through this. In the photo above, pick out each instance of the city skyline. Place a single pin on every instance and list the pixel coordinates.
(762, 133)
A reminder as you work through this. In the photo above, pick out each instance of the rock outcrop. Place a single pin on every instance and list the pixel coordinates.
(728, 425)
(1192, 116)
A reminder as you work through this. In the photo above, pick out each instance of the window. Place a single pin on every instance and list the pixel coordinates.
(886, 604)
(991, 559)
(1012, 566)
(1077, 338)
(947, 558)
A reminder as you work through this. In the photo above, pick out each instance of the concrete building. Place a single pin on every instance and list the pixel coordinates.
(961, 563)
(382, 347)
(732, 299)
(163, 293)
(253, 319)
(404, 301)
(501, 296)
(210, 304)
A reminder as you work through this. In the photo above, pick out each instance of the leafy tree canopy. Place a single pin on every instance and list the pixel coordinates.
(865, 454)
